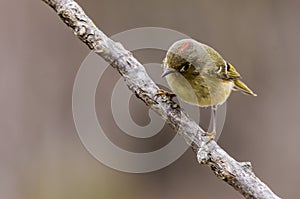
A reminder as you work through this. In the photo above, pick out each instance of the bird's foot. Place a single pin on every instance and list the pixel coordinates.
(165, 93)
(211, 136)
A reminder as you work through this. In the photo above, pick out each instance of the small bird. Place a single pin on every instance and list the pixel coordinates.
(200, 76)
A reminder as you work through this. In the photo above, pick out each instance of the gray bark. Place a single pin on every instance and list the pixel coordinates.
(237, 174)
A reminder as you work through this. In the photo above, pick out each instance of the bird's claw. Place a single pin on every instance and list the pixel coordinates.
(165, 93)
(211, 136)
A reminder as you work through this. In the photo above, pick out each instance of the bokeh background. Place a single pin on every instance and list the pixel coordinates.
(41, 155)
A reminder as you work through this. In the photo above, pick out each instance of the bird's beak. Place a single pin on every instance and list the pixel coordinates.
(168, 71)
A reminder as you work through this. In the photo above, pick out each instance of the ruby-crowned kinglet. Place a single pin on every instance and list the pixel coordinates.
(200, 76)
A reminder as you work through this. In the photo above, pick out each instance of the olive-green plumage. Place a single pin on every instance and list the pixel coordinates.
(200, 76)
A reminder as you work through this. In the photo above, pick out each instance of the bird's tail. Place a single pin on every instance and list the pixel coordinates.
(240, 86)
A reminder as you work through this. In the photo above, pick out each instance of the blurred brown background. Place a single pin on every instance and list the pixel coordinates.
(41, 155)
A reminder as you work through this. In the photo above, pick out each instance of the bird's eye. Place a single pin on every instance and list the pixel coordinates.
(185, 67)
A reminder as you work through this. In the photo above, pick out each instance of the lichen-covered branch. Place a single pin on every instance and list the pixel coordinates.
(237, 174)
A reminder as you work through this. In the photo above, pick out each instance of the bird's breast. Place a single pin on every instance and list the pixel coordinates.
(200, 91)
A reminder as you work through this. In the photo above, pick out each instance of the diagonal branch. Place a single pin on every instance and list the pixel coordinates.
(237, 174)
